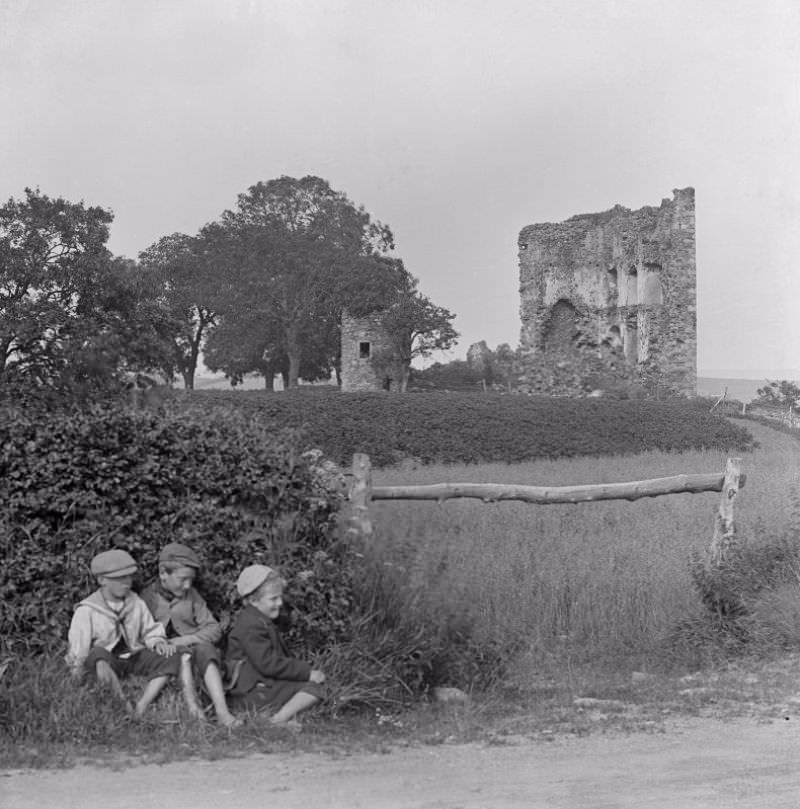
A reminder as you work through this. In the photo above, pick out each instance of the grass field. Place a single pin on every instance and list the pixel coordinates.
(602, 580)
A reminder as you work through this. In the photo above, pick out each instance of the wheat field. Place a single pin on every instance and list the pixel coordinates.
(607, 578)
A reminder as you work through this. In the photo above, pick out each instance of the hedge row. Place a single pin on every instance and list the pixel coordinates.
(477, 428)
(74, 484)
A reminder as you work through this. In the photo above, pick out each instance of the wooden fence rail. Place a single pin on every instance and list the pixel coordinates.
(729, 482)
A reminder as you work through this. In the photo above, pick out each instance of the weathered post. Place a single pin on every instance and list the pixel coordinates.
(361, 496)
(724, 527)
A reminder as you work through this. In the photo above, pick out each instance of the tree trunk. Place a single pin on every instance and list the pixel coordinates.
(293, 349)
(405, 375)
(188, 379)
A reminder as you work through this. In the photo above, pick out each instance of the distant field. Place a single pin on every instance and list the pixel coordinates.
(743, 390)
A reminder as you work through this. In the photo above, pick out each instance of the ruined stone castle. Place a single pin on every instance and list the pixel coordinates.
(608, 299)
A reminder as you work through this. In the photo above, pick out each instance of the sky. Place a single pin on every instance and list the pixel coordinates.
(455, 122)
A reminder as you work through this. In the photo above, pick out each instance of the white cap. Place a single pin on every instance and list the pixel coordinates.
(251, 578)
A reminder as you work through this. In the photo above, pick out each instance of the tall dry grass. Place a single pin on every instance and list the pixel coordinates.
(598, 581)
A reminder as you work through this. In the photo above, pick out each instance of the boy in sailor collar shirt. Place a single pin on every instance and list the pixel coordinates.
(112, 634)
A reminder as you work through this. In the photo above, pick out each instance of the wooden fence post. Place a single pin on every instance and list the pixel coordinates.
(361, 496)
(724, 527)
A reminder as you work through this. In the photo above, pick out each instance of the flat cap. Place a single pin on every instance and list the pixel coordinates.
(113, 564)
(251, 578)
(180, 555)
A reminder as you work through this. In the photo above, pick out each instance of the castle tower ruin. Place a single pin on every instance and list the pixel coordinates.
(609, 299)
(364, 342)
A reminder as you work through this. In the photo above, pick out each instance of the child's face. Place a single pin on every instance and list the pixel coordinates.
(270, 601)
(178, 582)
(116, 587)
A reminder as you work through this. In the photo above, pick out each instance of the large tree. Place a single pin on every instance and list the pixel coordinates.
(297, 250)
(70, 313)
(413, 325)
(182, 271)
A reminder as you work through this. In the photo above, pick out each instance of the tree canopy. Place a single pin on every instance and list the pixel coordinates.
(782, 393)
(296, 251)
(413, 326)
(70, 313)
(181, 272)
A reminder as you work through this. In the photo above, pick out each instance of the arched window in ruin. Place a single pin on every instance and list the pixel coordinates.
(653, 294)
(632, 287)
(561, 327)
(611, 276)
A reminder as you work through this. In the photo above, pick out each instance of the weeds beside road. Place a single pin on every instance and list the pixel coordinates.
(588, 701)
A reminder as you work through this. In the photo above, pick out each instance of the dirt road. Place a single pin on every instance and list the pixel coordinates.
(695, 765)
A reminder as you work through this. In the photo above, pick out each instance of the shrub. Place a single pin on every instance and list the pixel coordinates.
(728, 591)
(751, 601)
(476, 428)
(74, 484)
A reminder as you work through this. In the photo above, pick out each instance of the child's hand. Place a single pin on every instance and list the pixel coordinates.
(316, 676)
(164, 647)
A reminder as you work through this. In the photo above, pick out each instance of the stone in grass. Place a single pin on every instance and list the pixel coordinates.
(449, 695)
(592, 702)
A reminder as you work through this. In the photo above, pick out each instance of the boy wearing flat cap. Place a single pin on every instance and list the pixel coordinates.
(190, 626)
(267, 678)
(112, 634)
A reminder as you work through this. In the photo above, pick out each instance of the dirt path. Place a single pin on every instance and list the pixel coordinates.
(694, 765)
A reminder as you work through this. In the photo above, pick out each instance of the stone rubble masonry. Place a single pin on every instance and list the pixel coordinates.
(358, 372)
(608, 300)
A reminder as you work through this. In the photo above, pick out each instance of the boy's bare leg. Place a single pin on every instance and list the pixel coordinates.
(151, 691)
(107, 678)
(213, 681)
(187, 686)
(299, 702)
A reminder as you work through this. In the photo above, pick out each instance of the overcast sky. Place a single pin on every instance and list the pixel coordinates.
(455, 122)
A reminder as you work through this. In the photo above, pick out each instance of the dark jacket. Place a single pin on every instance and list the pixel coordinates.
(255, 650)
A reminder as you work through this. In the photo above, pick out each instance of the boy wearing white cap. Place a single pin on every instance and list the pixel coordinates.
(112, 634)
(266, 677)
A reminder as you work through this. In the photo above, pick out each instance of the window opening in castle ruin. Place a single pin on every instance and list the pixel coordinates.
(364, 348)
(653, 292)
(612, 281)
(632, 297)
(631, 347)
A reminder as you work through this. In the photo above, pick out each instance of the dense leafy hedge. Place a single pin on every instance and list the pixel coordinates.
(74, 484)
(477, 428)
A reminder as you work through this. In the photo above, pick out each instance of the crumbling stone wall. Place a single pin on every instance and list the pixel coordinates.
(363, 345)
(609, 299)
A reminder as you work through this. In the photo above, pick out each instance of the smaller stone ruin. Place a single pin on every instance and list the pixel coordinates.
(364, 345)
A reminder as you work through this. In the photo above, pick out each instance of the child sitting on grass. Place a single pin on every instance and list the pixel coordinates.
(112, 634)
(266, 677)
(189, 625)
